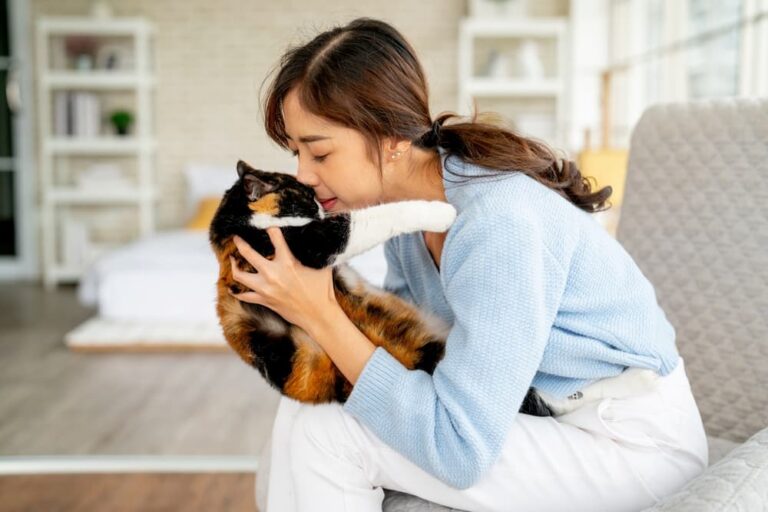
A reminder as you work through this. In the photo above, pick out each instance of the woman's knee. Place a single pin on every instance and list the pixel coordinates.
(317, 430)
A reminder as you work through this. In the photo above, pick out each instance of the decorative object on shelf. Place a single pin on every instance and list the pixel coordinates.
(497, 65)
(84, 62)
(529, 63)
(113, 56)
(122, 120)
(81, 49)
(498, 8)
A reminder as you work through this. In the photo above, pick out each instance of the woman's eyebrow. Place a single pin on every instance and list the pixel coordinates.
(309, 138)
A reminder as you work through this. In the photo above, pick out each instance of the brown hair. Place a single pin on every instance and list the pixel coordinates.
(366, 76)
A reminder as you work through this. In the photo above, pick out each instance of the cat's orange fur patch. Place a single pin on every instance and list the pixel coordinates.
(234, 322)
(314, 375)
(268, 205)
(375, 328)
(232, 316)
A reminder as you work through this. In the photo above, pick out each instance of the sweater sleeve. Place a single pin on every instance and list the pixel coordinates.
(504, 288)
(394, 280)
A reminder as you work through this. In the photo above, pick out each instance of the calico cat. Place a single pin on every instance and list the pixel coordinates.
(283, 353)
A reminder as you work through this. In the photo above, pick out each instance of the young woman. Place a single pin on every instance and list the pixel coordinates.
(536, 291)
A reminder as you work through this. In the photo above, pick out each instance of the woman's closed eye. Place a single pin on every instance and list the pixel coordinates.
(318, 158)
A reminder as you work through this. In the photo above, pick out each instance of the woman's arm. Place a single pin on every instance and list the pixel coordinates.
(344, 343)
(504, 288)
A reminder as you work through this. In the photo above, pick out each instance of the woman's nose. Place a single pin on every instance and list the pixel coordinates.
(306, 176)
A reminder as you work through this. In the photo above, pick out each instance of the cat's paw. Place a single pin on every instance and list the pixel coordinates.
(438, 216)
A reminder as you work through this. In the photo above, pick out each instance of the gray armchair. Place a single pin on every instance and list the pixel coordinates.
(695, 219)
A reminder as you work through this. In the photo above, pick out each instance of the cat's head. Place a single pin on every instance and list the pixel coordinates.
(259, 195)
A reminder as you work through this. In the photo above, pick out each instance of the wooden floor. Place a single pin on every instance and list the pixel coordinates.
(57, 402)
(231, 492)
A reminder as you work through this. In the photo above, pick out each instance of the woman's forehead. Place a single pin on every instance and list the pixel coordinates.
(303, 126)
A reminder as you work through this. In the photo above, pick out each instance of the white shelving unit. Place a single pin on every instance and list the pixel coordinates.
(550, 88)
(138, 81)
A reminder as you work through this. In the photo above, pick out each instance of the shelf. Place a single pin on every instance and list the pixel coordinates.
(94, 26)
(97, 146)
(74, 195)
(518, 27)
(65, 273)
(512, 87)
(134, 35)
(72, 272)
(95, 80)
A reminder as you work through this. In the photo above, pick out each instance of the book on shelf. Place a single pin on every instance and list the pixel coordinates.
(77, 114)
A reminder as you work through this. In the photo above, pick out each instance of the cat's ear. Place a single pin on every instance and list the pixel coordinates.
(243, 168)
(255, 187)
(256, 182)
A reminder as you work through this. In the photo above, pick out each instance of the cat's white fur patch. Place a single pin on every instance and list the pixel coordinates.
(376, 224)
(272, 325)
(320, 209)
(631, 382)
(264, 221)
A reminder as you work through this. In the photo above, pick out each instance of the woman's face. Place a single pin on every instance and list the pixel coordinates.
(333, 159)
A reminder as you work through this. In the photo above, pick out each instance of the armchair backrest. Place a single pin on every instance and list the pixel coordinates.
(695, 219)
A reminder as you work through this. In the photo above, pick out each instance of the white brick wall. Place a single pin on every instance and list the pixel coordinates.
(212, 56)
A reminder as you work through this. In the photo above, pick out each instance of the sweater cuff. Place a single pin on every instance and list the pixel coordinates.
(375, 387)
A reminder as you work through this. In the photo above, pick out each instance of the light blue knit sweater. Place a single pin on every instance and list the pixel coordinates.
(536, 292)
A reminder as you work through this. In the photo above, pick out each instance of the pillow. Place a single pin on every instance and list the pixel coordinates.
(206, 209)
(205, 181)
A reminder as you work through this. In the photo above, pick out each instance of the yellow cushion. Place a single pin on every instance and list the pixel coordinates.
(608, 167)
(206, 209)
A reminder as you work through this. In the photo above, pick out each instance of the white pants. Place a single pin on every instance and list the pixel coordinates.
(612, 454)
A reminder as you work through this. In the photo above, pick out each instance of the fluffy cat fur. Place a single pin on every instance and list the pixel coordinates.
(283, 353)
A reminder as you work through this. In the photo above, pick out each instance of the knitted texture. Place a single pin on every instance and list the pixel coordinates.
(537, 293)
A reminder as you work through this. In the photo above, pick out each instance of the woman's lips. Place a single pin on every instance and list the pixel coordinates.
(328, 203)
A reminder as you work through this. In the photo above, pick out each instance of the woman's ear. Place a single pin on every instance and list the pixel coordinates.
(393, 148)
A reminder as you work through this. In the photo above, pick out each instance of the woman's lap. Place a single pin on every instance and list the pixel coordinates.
(614, 454)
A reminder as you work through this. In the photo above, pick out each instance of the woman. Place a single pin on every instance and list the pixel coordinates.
(536, 291)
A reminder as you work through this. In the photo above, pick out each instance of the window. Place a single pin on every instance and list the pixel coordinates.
(681, 50)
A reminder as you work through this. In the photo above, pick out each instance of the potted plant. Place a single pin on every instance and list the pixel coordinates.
(122, 119)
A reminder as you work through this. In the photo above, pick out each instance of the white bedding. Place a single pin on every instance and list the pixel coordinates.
(171, 276)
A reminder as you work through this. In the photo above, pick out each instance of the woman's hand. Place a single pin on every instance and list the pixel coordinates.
(301, 295)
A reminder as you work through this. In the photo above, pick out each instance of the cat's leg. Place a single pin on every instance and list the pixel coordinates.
(336, 238)
(373, 225)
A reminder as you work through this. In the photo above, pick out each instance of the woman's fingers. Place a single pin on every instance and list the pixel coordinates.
(249, 279)
(251, 297)
(277, 239)
(251, 256)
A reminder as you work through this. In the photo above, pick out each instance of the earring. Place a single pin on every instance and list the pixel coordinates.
(395, 154)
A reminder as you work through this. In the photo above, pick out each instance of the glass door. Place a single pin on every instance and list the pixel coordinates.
(8, 221)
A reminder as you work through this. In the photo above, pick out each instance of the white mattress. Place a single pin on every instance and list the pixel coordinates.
(171, 276)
